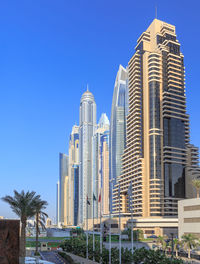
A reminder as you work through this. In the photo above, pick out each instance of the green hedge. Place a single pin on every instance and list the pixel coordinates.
(77, 246)
(66, 257)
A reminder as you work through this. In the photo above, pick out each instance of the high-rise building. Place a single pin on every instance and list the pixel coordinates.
(119, 112)
(58, 203)
(73, 175)
(104, 155)
(100, 165)
(192, 170)
(155, 156)
(63, 170)
(87, 126)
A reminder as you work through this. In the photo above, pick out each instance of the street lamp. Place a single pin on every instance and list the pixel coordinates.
(172, 245)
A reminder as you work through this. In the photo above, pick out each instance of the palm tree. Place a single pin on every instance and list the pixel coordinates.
(161, 241)
(40, 219)
(22, 204)
(196, 184)
(189, 242)
(176, 244)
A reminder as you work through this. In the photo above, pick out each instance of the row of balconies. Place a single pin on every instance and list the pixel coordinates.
(131, 174)
(180, 105)
(172, 115)
(135, 59)
(134, 74)
(176, 75)
(174, 57)
(173, 109)
(170, 96)
(136, 94)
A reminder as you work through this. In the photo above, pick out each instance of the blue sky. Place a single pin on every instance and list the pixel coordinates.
(49, 51)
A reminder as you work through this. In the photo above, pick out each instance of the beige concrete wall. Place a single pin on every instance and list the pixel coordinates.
(159, 226)
(189, 217)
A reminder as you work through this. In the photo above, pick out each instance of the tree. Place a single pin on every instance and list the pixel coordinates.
(189, 242)
(40, 216)
(176, 244)
(161, 241)
(196, 184)
(23, 205)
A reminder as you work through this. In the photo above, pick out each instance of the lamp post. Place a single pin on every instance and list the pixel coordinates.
(110, 236)
(172, 245)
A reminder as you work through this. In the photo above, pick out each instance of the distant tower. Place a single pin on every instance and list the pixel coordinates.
(58, 203)
(100, 165)
(104, 154)
(87, 126)
(64, 161)
(118, 125)
(73, 175)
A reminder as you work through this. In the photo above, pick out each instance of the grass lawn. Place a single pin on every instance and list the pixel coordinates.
(48, 238)
(50, 244)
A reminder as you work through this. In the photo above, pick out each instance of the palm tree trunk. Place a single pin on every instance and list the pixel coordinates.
(23, 241)
(176, 253)
(189, 253)
(197, 193)
(37, 231)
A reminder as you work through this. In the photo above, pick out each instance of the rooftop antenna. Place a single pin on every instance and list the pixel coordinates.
(156, 11)
(87, 87)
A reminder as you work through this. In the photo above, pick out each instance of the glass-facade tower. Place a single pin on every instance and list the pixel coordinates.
(100, 165)
(119, 112)
(63, 171)
(87, 126)
(73, 175)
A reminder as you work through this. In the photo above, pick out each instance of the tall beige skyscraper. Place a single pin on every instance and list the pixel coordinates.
(155, 156)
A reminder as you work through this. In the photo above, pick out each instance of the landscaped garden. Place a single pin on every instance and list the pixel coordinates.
(77, 246)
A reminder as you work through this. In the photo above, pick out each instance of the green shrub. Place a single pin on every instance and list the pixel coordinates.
(77, 246)
(36, 254)
(66, 257)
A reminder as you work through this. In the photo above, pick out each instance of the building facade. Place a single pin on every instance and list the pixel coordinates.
(192, 170)
(189, 217)
(100, 166)
(73, 175)
(57, 203)
(87, 127)
(155, 156)
(119, 112)
(63, 178)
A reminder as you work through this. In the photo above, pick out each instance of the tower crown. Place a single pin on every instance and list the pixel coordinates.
(87, 96)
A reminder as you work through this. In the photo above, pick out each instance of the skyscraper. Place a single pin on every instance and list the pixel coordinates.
(192, 170)
(58, 203)
(87, 126)
(119, 112)
(73, 175)
(155, 156)
(104, 159)
(100, 165)
(63, 171)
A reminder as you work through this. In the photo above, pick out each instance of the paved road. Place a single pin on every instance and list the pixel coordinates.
(52, 257)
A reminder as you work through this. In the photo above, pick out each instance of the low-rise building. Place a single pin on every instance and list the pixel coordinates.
(156, 226)
(189, 217)
(58, 232)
